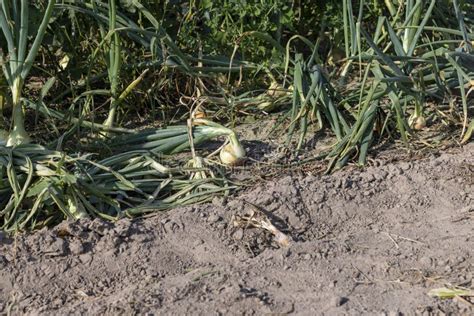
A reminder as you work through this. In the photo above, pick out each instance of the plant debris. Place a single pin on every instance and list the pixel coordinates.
(256, 218)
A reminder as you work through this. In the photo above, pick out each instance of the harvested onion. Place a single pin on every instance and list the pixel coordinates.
(233, 153)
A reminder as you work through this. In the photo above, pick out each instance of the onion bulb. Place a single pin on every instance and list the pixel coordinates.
(277, 90)
(198, 116)
(17, 137)
(233, 153)
(419, 123)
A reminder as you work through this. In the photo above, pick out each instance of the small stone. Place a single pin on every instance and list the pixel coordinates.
(436, 162)
(57, 248)
(198, 242)
(239, 234)
(122, 228)
(85, 258)
(58, 302)
(213, 218)
(426, 261)
(338, 301)
(218, 201)
(76, 247)
(381, 175)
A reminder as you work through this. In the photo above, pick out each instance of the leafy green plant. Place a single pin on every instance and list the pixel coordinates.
(218, 25)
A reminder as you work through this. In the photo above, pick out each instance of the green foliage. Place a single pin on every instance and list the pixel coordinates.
(398, 67)
(217, 26)
(41, 187)
(366, 71)
(19, 57)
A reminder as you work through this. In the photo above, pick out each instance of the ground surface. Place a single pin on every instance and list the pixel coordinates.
(371, 241)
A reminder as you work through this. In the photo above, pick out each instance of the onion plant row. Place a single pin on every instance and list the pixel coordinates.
(399, 71)
(41, 187)
(413, 67)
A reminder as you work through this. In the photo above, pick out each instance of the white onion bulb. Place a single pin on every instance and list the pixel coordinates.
(233, 153)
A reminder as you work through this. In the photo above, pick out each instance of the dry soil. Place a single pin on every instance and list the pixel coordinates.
(371, 242)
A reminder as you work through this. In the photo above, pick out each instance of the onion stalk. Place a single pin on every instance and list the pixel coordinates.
(40, 186)
(3, 93)
(18, 135)
(174, 139)
(17, 64)
(3, 137)
(114, 63)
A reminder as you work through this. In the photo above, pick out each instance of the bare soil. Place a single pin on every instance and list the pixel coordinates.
(364, 241)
